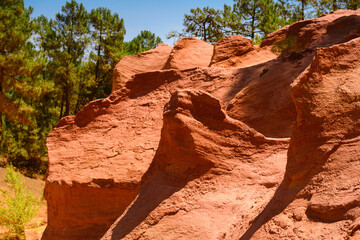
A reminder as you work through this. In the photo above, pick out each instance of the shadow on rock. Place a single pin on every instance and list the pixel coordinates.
(152, 194)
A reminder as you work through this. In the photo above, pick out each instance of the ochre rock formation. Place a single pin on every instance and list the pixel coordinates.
(256, 146)
(334, 28)
(230, 47)
(190, 52)
(265, 103)
(90, 152)
(207, 173)
(320, 195)
(152, 60)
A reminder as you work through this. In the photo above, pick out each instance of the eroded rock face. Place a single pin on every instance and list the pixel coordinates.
(151, 60)
(271, 89)
(253, 148)
(230, 47)
(265, 103)
(189, 181)
(91, 151)
(188, 53)
(335, 124)
(334, 28)
(321, 181)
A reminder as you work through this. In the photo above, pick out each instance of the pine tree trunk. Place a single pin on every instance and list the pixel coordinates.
(61, 106)
(302, 9)
(334, 7)
(1, 125)
(98, 61)
(205, 37)
(44, 95)
(67, 92)
(67, 102)
(2, 131)
(95, 89)
(94, 92)
(82, 86)
(253, 24)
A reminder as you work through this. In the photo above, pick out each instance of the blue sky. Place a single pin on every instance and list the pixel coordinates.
(157, 16)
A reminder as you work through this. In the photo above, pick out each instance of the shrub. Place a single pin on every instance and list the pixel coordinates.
(17, 205)
(288, 47)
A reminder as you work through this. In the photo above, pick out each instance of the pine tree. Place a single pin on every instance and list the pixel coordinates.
(108, 32)
(276, 14)
(19, 66)
(325, 6)
(261, 17)
(251, 12)
(303, 5)
(203, 23)
(351, 4)
(231, 21)
(290, 11)
(67, 41)
(144, 41)
(20, 85)
(107, 35)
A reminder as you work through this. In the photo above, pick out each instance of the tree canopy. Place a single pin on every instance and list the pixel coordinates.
(19, 64)
(146, 40)
(254, 18)
(203, 23)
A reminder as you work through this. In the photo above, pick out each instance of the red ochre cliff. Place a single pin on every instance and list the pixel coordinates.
(223, 141)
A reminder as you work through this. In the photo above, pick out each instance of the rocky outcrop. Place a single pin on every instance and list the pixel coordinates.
(275, 117)
(252, 147)
(151, 60)
(334, 28)
(319, 194)
(207, 173)
(265, 103)
(105, 149)
(230, 47)
(190, 52)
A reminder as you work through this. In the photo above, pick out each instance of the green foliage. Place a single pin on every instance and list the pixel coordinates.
(24, 146)
(67, 48)
(19, 65)
(231, 21)
(145, 41)
(274, 16)
(288, 47)
(17, 205)
(203, 23)
(257, 40)
(350, 4)
(251, 12)
(325, 6)
(95, 75)
(250, 18)
(261, 17)
(175, 35)
(254, 18)
(107, 35)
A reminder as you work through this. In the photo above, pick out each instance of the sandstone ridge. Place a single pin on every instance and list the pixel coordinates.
(229, 141)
